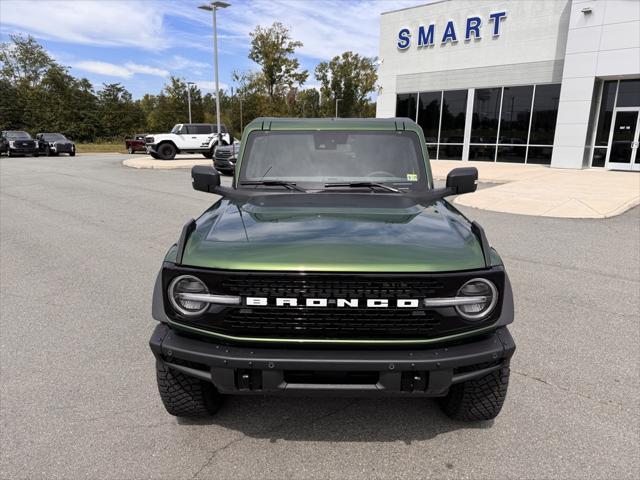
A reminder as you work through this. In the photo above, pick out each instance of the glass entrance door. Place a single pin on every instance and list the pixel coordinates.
(623, 140)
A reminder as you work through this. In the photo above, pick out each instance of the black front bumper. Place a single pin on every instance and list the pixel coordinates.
(422, 371)
(23, 150)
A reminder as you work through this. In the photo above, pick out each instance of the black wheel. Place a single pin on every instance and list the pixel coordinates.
(478, 399)
(36, 154)
(208, 154)
(72, 153)
(130, 150)
(185, 396)
(167, 151)
(154, 155)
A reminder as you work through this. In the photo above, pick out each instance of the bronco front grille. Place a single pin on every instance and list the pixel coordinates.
(332, 322)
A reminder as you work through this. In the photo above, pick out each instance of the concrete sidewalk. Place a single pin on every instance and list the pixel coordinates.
(520, 189)
(548, 192)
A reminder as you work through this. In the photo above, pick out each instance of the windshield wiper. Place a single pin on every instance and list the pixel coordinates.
(275, 183)
(371, 185)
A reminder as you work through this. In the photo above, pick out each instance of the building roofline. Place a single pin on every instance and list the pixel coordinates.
(415, 6)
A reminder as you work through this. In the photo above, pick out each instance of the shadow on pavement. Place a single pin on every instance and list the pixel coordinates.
(334, 419)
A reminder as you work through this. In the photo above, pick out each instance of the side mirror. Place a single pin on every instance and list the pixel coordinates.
(205, 178)
(462, 180)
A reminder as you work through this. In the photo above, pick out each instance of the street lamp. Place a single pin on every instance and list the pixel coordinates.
(337, 101)
(189, 98)
(213, 7)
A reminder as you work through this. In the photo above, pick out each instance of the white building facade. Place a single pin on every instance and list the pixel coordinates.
(553, 82)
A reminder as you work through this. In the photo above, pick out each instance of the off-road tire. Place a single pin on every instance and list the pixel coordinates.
(166, 151)
(154, 155)
(185, 396)
(72, 154)
(478, 399)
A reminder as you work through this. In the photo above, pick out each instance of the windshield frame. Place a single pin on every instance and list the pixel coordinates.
(18, 135)
(424, 181)
(47, 137)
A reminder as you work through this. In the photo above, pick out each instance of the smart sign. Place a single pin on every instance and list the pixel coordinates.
(428, 35)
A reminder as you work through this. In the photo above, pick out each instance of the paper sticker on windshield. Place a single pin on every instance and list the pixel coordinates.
(413, 177)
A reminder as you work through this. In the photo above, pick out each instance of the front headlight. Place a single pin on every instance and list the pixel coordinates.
(180, 289)
(12, 144)
(482, 298)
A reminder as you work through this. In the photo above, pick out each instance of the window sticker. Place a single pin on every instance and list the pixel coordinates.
(413, 177)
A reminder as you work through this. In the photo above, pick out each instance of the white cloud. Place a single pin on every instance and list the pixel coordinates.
(326, 28)
(210, 86)
(123, 71)
(108, 23)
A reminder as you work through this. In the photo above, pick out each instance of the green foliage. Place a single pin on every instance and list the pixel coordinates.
(273, 48)
(39, 95)
(350, 78)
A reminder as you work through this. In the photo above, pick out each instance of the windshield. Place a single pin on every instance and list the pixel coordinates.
(321, 157)
(18, 136)
(176, 128)
(51, 137)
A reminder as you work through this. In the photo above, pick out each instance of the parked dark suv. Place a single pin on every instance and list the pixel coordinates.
(51, 144)
(225, 157)
(17, 142)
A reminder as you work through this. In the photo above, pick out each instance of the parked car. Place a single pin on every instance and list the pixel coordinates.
(225, 156)
(333, 265)
(50, 144)
(187, 138)
(136, 144)
(17, 142)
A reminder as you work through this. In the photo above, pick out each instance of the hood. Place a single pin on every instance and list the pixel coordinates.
(415, 238)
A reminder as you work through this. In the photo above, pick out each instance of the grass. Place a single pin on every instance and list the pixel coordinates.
(101, 148)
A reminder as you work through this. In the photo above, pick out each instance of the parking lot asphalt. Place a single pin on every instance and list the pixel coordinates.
(81, 240)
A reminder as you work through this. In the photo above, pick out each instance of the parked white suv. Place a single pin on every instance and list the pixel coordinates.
(187, 138)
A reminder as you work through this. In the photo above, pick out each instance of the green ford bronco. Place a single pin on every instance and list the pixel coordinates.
(333, 265)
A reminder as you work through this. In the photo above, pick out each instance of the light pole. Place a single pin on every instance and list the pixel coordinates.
(189, 98)
(337, 101)
(213, 7)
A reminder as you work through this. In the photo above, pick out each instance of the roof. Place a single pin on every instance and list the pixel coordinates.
(278, 123)
(415, 6)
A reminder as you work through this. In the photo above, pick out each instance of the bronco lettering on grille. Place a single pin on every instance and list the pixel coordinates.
(332, 302)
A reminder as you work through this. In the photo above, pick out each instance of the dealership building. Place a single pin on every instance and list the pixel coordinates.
(553, 82)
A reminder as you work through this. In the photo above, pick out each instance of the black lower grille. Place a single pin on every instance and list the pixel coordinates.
(330, 322)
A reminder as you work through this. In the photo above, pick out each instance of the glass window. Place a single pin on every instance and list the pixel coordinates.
(429, 115)
(545, 113)
(483, 153)
(432, 150)
(406, 105)
(486, 112)
(319, 157)
(629, 93)
(516, 111)
(450, 152)
(599, 157)
(512, 154)
(540, 155)
(606, 113)
(454, 108)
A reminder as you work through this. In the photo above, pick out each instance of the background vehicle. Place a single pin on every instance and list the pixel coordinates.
(136, 144)
(54, 144)
(333, 265)
(225, 157)
(187, 138)
(17, 142)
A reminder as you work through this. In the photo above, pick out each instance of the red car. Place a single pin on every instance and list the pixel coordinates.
(136, 144)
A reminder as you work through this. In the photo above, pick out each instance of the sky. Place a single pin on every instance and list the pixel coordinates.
(140, 43)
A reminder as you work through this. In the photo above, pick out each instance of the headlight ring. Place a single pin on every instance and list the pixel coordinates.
(187, 284)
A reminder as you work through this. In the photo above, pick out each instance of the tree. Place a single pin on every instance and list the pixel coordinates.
(24, 60)
(272, 48)
(352, 79)
(119, 115)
